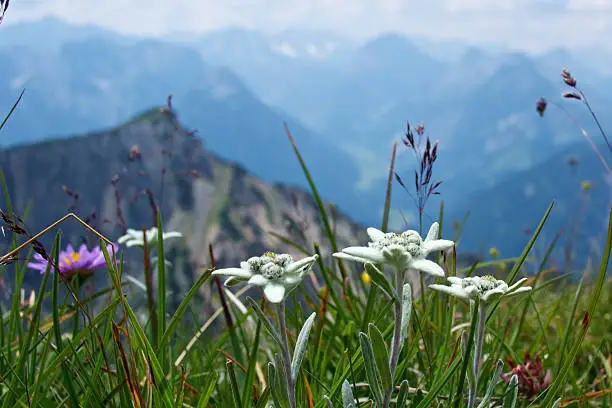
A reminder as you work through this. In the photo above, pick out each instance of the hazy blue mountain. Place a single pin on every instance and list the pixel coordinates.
(479, 104)
(499, 127)
(506, 215)
(50, 33)
(97, 83)
(272, 65)
(551, 62)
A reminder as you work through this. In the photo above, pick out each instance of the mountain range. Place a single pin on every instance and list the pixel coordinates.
(104, 176)
(345, 104)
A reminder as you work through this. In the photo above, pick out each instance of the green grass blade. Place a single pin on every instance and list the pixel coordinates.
(207, 392)
(233, 381)
(161, 292)
(318, 200)
(250, 374)
(180, 311)
(517, 266)
(163, 387)
(559, 377)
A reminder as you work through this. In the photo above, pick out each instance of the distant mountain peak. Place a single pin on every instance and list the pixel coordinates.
(391, 43)
(154, 115)
(474, 54)
(519, 60)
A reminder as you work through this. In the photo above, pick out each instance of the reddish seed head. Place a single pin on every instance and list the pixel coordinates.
(568, 78)
(572, 95)
(541, 106)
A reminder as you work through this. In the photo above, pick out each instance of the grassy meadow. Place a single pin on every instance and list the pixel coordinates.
(372, 326)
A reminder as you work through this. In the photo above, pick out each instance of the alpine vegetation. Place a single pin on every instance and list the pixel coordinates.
(278, 275)
(404, 252)
(480, 292)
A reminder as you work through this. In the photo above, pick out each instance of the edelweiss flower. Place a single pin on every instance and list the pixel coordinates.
(405, 250)
(83, 263)
(278, 274)
(135, 237)
(485, 288)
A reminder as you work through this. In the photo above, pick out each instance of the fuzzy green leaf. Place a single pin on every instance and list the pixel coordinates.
(348, 400)
(372, 372)
(494, 380)
(511, 397)
(402, 395)
(301, 345)
(381, 355)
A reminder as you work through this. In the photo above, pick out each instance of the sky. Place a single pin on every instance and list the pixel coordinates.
(531, 25)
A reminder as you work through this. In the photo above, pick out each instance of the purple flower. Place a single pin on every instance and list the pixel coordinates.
(82, 263)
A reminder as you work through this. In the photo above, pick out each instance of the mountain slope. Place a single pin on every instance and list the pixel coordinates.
(209, 200)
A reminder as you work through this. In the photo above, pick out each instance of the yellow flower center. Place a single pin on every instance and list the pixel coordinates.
(365, 278)
(74, 257)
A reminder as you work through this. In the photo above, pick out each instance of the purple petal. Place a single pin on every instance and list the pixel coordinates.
(37, 266)
(38, 257)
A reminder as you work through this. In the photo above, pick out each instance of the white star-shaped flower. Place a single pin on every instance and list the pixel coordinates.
(135, 237)
(278, 274)
(485, 288)
(405, 250)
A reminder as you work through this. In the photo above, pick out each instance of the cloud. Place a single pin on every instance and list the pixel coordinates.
(590, 5)
(523, 24)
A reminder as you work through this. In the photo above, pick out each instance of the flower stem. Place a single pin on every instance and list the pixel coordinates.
(286, 355)
(482, 320)
(603, 133)
(395, 342)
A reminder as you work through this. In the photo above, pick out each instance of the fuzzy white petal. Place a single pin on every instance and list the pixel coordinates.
(427, 266)
(493, 294)
(371, 254)
(348, 257)
(134, 242)
(235, 272)
(292, 280)
(432, 235)
(397, 254)
(167, 235)
(519, 291)
(258, 280)
(297, 265)
(375, 234)
(454, 280)
(470, 291)
(124, 238)
(517, 284)
(274, 292)
(451, 290)
(437, 245)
